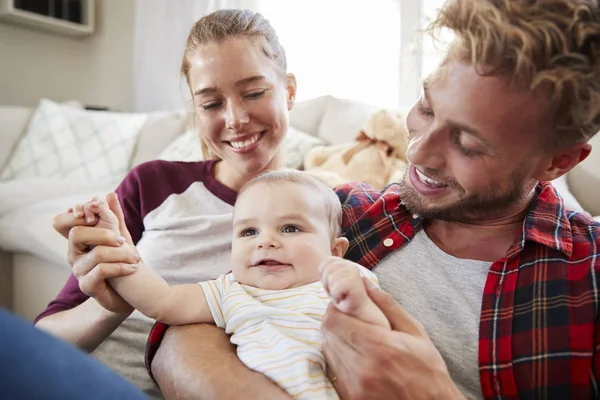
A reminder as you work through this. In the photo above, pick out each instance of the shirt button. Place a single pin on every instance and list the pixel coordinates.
(388, 242)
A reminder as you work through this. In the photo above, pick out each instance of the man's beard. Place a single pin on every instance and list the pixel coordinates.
(495, 202)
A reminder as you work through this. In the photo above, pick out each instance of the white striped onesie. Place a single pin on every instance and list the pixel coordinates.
(277, 332)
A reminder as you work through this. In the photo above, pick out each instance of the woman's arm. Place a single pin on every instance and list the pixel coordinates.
(198, 362)
(85, 326)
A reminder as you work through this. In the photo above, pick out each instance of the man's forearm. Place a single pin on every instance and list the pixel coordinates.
(199, 362)
(85, 326)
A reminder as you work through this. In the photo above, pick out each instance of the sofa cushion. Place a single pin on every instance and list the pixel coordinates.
(160, 129)
(343, 120)
(296, 144)
(569, 199)
(64, 142)
(185, 147)
(28, 229)
(21, 192)
(584, 179)
(307, 115)
(13, 122)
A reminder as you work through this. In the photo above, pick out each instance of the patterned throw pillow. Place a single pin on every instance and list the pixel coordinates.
(296, 144)
(185, 148)
(79, 145)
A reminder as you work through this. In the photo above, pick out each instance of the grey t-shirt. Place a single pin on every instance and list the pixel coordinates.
(444, 293)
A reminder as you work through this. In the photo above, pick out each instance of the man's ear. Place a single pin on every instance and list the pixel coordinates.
(340, 245)
(562, 161)
(290, 85)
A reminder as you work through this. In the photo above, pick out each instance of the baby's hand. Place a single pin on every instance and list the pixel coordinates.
(98, 211)
(345, 285)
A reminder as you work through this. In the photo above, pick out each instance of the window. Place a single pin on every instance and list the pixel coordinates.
(345, 48)
(432, 52)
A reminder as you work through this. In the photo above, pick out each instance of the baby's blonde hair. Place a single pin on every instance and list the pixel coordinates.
(331, 202)
(552, 44)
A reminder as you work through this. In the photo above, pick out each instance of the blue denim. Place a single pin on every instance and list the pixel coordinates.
(35, 365)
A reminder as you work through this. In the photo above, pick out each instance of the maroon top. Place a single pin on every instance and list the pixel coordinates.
(144, 189)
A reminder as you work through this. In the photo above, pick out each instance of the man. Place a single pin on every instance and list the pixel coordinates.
(494, 283)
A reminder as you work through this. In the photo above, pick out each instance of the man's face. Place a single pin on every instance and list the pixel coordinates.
(474, 143)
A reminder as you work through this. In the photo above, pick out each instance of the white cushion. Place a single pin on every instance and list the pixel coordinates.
(64, 142)
(13, 121)
(21, 192)
(343, 120)
(160, 129)
(295, 144)
(29, 229)
(584, 179)
(569, 200)
(307, 115)
(185, 148)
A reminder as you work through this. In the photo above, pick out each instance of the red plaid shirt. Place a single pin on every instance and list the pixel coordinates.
(539, 329)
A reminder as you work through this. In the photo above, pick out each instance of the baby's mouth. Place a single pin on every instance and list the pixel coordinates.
(270, 263)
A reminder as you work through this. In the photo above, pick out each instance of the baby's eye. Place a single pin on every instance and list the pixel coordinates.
(290, 229)
(248, 232)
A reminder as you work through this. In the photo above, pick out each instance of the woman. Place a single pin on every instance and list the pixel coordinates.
(179, 214)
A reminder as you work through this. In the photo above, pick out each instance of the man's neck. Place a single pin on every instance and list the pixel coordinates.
(485, 240)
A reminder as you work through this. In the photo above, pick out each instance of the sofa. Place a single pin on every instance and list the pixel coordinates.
(34, 188)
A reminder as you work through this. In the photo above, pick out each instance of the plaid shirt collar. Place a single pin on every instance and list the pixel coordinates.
(547, 223)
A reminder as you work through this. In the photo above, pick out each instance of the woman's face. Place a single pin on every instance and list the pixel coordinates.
(242, 103)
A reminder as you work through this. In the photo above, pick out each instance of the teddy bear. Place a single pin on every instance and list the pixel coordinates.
(377, 156)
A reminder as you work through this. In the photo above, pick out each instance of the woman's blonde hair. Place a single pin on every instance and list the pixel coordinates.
(549, 44)
(222, 25)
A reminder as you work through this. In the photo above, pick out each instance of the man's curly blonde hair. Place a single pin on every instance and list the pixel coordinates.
(552, 45)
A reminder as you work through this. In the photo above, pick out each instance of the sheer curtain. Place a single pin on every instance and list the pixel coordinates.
(354, 49)
(432, 52)
(345, 48)
(160, 30)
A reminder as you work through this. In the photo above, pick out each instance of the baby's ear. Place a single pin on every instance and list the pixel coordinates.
(340, 245)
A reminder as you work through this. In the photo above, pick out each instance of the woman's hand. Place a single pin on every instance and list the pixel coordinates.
(367, 361)
(97, 254)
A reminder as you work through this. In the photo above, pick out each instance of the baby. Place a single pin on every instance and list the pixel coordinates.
(285, 225)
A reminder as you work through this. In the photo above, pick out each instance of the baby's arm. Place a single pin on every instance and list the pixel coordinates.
(345, 285)
(145, 290)
(150, 294)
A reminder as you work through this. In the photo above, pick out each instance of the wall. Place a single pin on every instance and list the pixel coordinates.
(96, 70)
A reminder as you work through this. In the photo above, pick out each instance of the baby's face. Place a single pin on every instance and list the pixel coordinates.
(281, 235)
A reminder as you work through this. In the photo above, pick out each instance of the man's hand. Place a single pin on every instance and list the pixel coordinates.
(370, 362)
